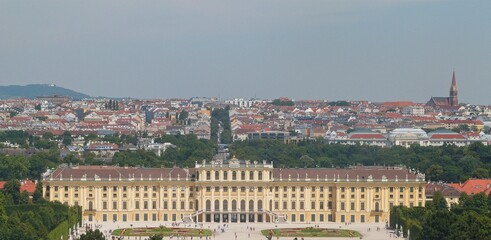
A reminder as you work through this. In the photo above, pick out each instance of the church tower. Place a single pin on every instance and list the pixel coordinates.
(453, 99)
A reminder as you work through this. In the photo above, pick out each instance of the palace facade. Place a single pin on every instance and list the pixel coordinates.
(235, 191)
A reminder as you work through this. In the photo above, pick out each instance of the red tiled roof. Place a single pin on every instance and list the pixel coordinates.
(399, 104)
(445, 189)
(393, 115)
(473, 186)
(367, 136)
(446, 136)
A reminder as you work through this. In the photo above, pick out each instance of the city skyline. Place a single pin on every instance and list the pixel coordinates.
(334, 50)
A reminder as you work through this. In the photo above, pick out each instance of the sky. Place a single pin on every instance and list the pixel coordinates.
(376, 50)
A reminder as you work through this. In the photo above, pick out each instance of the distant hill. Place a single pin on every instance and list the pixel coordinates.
(37, 90)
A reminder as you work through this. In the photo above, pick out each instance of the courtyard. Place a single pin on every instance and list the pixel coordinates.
(242, 231)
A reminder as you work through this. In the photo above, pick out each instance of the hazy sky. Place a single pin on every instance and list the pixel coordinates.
(378, 50)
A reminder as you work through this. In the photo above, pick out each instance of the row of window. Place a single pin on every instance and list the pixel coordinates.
(292, 217)
(124, 188)
(154, 217)
(276, 189)
(234, 189)
(234, 175)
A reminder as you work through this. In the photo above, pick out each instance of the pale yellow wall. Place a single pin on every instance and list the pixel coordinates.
(364, 193)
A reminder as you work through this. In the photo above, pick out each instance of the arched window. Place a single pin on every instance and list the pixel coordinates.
(91, 206)
(242, 205)
(197, 205)
(208, 175)
(208, 205)
(225, 205)
(217, 205)
(242, 175)
(260, 205)
(260, 176)
(191, 205)
(217, 175)
(234, 175)
(234, 205)
(376, 206)
(251, 175)
(225, 175)
(251, 205)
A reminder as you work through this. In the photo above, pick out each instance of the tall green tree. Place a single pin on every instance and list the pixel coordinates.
(67, 138)
(11, 189)
(92, 235)
(37, 197)
(3, 213)
(439, 203)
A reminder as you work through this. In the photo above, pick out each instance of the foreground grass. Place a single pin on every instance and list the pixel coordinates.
(164, 231)
(310, 232)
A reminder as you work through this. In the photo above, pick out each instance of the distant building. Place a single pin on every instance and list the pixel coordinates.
(275, 135)
(445, 102)
(25, 185)
(54, 99)
(450, 193)
(414, 111)
(408, 136)
(361, 137)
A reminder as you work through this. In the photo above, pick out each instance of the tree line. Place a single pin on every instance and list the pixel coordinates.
(447, 163)
(22, 218)
(220, 116)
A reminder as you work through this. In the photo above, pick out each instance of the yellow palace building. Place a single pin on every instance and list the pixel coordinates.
(235, 191)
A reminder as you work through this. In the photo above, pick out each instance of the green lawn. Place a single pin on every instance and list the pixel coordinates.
(310, 232)
(161, 231)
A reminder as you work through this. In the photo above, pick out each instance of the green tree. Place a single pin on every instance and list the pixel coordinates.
(24, 197)
(92, 235)
(436, 224)
(3, 213)
(280, 102)
(462, 128)
(48, 135)
(37, 197)
(13, 167)
(439, 202)
(11, 189)
(156, 237)
(71, 159)
(434, 172)
(307, 161)
(465, 201)
(67, 138)
(480, 173)
(480, 201)
(471, 225)
(184, 115)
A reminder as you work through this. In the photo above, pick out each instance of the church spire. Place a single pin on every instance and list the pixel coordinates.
(454, 100)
